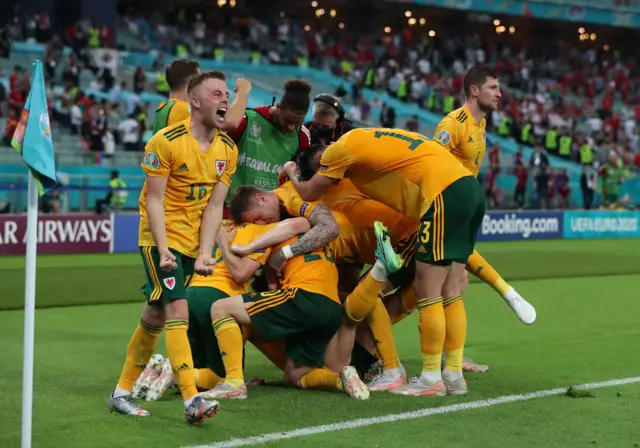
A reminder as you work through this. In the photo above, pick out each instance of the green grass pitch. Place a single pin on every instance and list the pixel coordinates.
(587, 331)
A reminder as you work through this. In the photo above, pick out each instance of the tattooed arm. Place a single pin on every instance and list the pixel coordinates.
(324, 229)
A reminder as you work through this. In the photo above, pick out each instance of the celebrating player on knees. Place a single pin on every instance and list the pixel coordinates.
(231, 276)
(188, 170)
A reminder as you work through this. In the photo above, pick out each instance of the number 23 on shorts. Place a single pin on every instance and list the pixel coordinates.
(424, 232)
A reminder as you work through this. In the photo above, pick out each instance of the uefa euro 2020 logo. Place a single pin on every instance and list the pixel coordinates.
(45, 126)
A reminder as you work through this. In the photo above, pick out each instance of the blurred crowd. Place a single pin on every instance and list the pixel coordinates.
(581, 105)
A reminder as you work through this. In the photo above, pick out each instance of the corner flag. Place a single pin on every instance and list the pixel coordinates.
(32, 138)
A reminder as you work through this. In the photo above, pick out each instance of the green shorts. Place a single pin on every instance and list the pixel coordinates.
(203, 341)
(305, 320)
(161, 285)
(448, 229)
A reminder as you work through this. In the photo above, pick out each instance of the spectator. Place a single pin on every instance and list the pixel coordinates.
(539, 160)
(563, 190)
(518, 157)
(542, 182)
(139, 81)
(117, 195)
(587, 186)
(76, 117)
(5, 44)
(10, 127)
(130, 133)
(490, 187)
(494, 157)
(387, 116)
(612, 174)
(413, 124)
(522, 176)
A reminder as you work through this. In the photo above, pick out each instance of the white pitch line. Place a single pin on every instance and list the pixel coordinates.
(426, 412)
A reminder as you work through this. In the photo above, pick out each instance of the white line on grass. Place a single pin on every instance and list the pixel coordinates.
(352, 424)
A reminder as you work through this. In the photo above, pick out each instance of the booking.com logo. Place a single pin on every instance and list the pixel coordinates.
(512, 224)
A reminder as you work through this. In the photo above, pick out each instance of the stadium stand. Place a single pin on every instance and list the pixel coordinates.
(592, 96)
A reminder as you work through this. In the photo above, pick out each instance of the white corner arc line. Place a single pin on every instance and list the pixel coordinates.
(426, 412)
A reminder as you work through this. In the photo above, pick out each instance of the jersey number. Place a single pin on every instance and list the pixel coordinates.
(202, 191)
(328, 253)
(413, 142)
(424, 234)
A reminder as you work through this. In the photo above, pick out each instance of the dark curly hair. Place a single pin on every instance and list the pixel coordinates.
(306, 161)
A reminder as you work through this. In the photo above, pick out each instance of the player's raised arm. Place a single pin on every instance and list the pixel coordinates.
(311, 190)
(324, 229)
(234, 115)
(279, 234)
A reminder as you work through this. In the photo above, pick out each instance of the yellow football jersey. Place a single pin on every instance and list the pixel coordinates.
(314, 272)
(171, 112)
(362, 211)
(401, 169)
(222, 278)
(355, 244)
(291, 201)
(192, 174)
(464, 137)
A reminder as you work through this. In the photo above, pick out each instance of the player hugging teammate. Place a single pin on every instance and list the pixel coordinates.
(379, 188)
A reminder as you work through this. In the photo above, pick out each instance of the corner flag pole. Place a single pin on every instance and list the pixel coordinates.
(29, 312)
(32, 139)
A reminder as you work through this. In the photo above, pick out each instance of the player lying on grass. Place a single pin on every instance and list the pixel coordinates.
(424, 182)
(463, 133)
(188, 170)
(230, 277)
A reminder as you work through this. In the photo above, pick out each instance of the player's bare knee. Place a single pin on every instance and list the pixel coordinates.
(464, 282)
(429, 280)
(177, 309)
(153, 315)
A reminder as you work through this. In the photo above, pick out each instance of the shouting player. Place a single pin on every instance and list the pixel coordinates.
(177, 108)
(188, 170)
(421, 180)
(463, 133)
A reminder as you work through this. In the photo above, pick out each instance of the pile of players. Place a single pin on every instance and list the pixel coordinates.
(305, 219)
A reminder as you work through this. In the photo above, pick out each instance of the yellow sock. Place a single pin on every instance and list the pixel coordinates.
(206, 379)
(362, 300)
(230, 342)
(273, 350)
(479, 267)
(432, 327)
(179, 352)
(382, 331)
(408, 303)
(141, 346)
(321, 379)
(456, 318)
